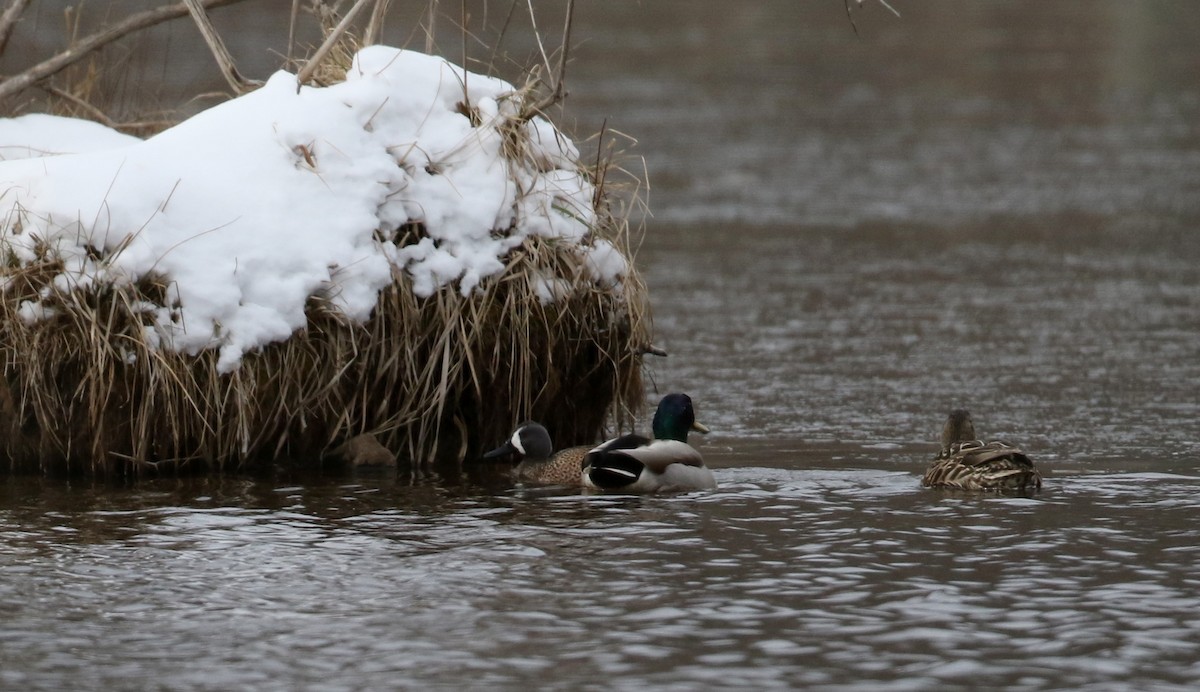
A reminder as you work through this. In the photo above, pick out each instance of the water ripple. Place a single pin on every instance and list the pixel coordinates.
(783, 578)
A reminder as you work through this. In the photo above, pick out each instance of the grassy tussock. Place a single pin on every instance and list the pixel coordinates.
(434, 379)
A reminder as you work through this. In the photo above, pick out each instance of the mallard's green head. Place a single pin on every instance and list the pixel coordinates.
(675, 417)
(959, 428)
(529, 441)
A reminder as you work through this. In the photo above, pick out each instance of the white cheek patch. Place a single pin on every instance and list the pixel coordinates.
(516, 442)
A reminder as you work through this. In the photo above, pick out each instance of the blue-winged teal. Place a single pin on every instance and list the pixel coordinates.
(540, 464)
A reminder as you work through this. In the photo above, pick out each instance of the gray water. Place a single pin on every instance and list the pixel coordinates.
(820, 574)
(990, 205)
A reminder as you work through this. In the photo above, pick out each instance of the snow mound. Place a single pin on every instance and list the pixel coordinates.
(250, 208)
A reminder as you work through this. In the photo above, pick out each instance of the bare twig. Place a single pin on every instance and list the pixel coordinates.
(537, 36)
(860, 2)
(429, 30)
(292, 30)
(375, 27)
(93, 112)
(70, 56)
(559, 92)
(512, 9)
(237, 82)
(850, 17)
(8, 20)
(101, 117)
(560, 84)
(330, 41)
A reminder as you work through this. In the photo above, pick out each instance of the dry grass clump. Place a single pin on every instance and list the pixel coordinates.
(87, 389)
(434, 379)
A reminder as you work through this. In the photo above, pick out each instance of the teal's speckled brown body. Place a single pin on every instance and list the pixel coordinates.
(540, 464)
(966, 463)
(562, 468)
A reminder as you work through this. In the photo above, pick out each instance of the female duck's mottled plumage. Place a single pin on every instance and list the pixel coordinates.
(967, 463)
(539, 463)
(636, 464)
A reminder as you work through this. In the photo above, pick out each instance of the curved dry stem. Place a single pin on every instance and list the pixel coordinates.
(87, 45)
(8, 20)
(310, 68)
(236, 81)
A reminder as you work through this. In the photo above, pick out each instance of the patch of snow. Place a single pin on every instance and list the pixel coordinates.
(251, 207)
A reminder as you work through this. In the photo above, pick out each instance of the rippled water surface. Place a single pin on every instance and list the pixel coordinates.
(991, 205)
(810, 573)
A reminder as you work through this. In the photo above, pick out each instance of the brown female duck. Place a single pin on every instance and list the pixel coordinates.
(967, 463)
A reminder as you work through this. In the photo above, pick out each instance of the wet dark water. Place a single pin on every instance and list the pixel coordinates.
(793, 576)
(991, 205)
(1061, 332)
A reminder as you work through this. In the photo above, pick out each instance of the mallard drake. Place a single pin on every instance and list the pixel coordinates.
(540, 464)
(636, 464)
(968, 463)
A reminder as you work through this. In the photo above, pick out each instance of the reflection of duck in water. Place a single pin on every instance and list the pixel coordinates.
(540, 464)
(635, 464)
(967, 463)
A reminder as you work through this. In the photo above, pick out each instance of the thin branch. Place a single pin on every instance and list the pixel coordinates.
(102, 118)
(893, 9)
(375, 26)
(559, 92)
(560, 84)
(330, 41)
(537, 36)
(465, 34)
(512, 9)
(237, 82)
(93, 112)
(292, 30)
(8, 20)
(142, 20)
(851, 16)
(860, 2)
(429, 30)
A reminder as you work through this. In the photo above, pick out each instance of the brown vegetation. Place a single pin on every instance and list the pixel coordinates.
(437, 378)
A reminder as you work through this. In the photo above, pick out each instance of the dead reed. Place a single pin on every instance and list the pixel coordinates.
(87, 390)
(433, 378)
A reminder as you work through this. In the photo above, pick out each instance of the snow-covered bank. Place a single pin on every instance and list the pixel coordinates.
(411, 253)
(253, 206)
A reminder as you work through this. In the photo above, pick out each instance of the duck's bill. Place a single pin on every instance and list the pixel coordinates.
(700, 428)
(505, 449)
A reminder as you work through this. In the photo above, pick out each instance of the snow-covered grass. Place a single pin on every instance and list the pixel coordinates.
(401, 252)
